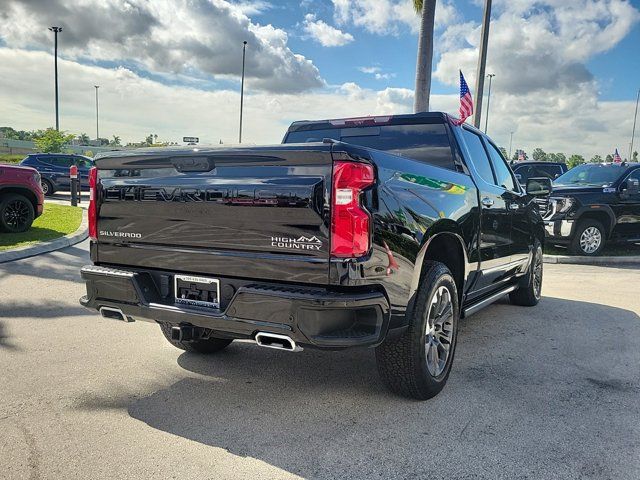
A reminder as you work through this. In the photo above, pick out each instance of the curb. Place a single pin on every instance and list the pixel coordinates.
(600, 261)
(78, 236)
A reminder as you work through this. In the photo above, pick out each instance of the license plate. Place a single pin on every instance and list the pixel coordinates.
(197, 291)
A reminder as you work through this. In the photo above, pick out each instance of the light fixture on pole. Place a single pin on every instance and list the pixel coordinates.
(244, 51)
(633, 133)
(486, 121)
(482, 62)
(510, 144)
(55, 31)
(97, 130)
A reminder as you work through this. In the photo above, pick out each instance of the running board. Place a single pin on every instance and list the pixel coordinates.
(487, 301)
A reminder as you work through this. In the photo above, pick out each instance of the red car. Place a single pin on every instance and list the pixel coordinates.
(21, 198)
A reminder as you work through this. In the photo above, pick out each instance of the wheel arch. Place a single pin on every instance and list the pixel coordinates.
(25, 192)
(601, 213)
(445, 245)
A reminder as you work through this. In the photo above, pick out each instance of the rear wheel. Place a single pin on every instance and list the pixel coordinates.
(205, 346)
(16, 213)
(418, 363)
(47, 187)
(529, 292)
(589, 238)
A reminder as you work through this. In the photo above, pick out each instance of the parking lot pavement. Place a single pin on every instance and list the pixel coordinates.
(545, 392)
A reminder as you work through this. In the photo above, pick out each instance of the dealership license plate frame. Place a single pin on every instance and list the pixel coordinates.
(198, 281)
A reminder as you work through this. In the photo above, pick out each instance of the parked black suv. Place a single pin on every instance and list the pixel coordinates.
(373, 232)
(593, 204)
(526, 170)
(54, 170)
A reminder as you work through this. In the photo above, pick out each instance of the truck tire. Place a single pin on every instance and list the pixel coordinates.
(530, 290)
(16, 213)
(411, 365)
(589, 238)
(210, 345)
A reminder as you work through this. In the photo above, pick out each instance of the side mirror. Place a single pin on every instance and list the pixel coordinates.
(518, 177)
(539, 187)
(630, 187)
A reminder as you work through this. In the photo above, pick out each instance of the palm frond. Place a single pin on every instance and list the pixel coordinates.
(417, 5)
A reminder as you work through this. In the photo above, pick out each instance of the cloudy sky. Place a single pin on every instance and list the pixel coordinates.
(566, 72)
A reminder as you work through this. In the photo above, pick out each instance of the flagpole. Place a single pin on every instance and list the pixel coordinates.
(482, 61)
(633, 132)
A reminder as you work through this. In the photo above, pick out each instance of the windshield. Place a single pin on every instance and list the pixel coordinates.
(427, 143)
(593, 175)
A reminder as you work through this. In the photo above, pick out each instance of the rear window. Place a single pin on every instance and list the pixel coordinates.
(427, 143)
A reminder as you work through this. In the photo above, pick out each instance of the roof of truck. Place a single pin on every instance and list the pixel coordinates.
(374, 120)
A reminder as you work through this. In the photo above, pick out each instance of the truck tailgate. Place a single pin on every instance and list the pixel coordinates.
(260, 212)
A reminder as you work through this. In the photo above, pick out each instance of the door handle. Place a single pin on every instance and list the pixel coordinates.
(487, 202)
(514, 206)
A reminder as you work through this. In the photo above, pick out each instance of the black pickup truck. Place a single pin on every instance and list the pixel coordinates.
(594, 204)
(378, 232)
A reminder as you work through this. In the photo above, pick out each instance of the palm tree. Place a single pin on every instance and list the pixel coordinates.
(83, 138)
(427, 11)
(115, 142)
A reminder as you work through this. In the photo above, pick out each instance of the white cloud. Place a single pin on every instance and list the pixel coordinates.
(325, 34)
(388, 17)
(543, 89)
(132, 107)
(164, 36)
(253, 7)
(538, 49)
(377, 73)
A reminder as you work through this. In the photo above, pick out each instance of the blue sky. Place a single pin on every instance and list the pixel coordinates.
(617, 70)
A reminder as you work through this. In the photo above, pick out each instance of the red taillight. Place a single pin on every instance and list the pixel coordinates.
(350, 223)
(93, 208)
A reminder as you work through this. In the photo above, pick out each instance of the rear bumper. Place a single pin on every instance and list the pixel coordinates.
(315, 317)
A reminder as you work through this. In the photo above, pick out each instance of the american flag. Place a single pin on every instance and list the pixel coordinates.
(616, 157)
(466, 102)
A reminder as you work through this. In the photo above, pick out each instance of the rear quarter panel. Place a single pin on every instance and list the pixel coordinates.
(412, 202)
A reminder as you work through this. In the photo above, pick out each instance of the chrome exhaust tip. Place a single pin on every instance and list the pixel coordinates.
(113, 313)
(277, 342)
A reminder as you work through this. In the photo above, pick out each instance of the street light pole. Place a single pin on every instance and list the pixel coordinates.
(510, 144)
(482, 62)
(55, 31)
(633, 133)
(244, 51)
(486, 121)
(97, 130)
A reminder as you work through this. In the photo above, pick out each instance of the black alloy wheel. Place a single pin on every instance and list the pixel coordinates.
(16, 214)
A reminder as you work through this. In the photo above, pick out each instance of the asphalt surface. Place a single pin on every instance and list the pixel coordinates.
(545, 392)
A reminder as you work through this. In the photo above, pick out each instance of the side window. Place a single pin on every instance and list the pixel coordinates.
(503, 174)
(83, 163)
(635, 175)
(59, 161)
(524, 172)
(478, 155)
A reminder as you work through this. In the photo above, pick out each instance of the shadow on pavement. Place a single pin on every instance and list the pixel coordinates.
(4, 339)
(55, 265)
(534, 391)
(38, 310)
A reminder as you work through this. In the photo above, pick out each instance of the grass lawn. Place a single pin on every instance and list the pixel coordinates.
(11, 159)
(56, 221)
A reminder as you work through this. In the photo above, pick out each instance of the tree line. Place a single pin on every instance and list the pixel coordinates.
(539, 155)
(54, 141)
